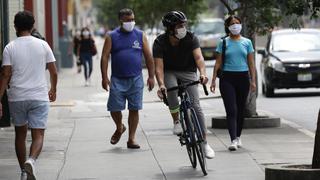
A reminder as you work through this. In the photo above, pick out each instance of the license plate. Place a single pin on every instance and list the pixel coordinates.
(305, 77)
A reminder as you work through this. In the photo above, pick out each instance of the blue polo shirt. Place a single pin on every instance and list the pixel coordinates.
(236, 54)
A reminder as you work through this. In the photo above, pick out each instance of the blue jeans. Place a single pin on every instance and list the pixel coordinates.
(86, 59)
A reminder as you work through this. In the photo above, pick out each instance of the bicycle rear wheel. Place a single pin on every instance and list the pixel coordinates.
(188, 137)
(198, 145)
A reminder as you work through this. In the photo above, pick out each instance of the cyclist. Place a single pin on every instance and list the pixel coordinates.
(177, 55)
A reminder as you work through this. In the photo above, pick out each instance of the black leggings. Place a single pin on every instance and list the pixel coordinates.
(234, 89)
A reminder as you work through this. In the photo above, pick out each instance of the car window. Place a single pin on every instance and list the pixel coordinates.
(203, 28)
(296, 42)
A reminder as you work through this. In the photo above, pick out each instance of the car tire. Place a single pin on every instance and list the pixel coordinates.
(267, 90)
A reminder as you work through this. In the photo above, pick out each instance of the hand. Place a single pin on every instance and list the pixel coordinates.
(0, 110)
(52, 95)
(203, 79)
(253, 86)
(105, 84)
(213, 86)
(150, 83)
(159, 92)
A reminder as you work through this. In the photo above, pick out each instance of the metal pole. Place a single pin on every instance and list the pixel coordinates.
(55, 33)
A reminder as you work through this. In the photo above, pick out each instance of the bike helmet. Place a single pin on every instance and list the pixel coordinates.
(172, 18)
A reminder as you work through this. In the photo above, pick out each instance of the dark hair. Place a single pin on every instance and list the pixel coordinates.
(85, 29)
(23, 21)
(125, 12)
(227, 22)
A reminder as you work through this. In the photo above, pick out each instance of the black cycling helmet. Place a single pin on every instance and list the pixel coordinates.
(172, 18)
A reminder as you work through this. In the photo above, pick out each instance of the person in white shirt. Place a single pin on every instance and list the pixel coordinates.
(24, 65)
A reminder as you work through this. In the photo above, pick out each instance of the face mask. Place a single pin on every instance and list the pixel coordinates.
(128, 26)
(181, 33)
(235, 29)
(86, 33)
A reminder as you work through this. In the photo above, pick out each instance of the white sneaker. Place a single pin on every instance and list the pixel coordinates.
(209, 152)
(233, 146)
(30, 170)
(24, 176)
(86, 83)
(239, 143)
(177, 128)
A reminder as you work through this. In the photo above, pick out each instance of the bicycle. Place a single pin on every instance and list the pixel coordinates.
(191, 135)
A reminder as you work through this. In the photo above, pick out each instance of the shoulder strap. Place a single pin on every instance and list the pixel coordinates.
(223, 50)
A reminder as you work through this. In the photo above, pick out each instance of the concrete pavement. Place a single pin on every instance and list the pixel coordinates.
(79, 129)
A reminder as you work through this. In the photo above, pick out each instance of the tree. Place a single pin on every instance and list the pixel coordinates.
(148, 13)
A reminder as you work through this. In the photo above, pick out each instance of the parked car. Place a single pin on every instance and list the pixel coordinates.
(291, 60)
(209, 32)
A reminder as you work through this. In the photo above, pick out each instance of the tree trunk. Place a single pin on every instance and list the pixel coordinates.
(316, 150)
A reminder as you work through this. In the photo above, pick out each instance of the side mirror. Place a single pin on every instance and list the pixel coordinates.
(263, 52)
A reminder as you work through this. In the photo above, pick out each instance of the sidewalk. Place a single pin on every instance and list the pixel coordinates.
(79, 130)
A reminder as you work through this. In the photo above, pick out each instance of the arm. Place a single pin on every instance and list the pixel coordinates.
(104, 62)
(214, 73)
(53, 80)
(200, 64)
(252, 70)
(149, 62)
(160, 76)
(159, 71)
(6, 73)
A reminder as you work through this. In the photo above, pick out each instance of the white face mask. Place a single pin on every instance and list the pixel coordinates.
(181, 33)
(235, 29)
(128, 26)
(86, 33)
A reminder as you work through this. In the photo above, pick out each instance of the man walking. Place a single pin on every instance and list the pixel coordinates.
(24, 70)
(126, 44)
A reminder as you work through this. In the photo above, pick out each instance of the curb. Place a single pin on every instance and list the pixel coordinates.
(252, 122)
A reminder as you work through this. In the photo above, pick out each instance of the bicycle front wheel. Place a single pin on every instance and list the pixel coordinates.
(188, 135)
(198, 145)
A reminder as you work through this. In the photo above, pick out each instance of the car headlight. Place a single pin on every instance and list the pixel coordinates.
(276, 65)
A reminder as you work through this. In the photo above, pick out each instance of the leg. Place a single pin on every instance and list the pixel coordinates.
(170, 80)
(85, 66)
(194, 98)
(90, 66)
(242, 94)
(117, 118)
(229, 99)
(133, 121)
(37, 143)
(20, 144)
(116, 103)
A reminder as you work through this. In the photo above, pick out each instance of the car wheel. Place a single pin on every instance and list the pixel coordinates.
(268, 91)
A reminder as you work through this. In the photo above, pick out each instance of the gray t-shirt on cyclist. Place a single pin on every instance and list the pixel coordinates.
(176, 58)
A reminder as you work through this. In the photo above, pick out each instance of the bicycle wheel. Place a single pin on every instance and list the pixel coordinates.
(198, 146)
(188, 139)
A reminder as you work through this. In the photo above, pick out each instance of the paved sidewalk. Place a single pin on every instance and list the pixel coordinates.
(79, 129)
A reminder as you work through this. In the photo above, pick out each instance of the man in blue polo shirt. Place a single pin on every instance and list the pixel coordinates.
(126, 44)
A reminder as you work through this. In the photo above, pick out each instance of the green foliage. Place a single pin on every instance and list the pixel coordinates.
(148, 13)
(260, 16)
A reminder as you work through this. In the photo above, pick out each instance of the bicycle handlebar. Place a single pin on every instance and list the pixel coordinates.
(183, 86)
